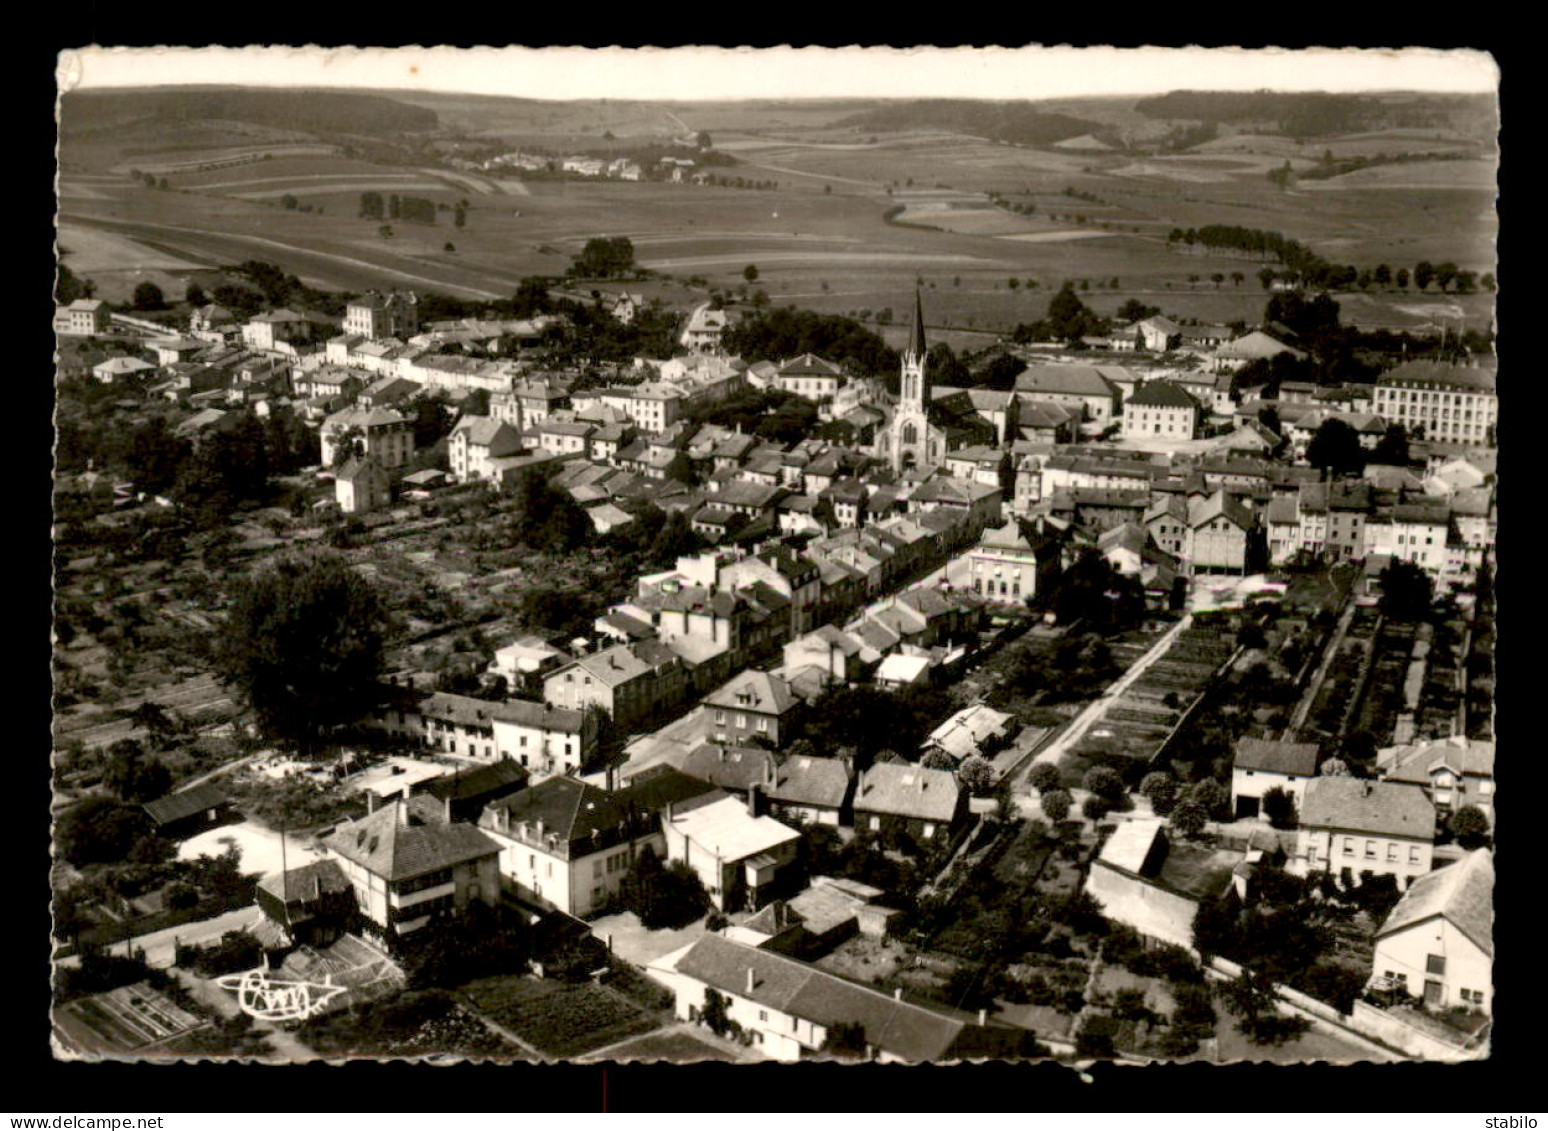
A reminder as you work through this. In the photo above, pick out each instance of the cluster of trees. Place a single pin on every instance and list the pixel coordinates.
(478, 941)
(785, 332)
(68, 286)
(1407, 592)
(1301, 114)
(866, 720)
(275, 287)
(605, 257)
(1252, 242)
(104, 830)
(772, 414)
(663, 896)
(1093, 592)
(1133, 310)
(1076, 667)
(1303, 266)
(653, 541)
(1284, 933)
(1193, 1019)
(1068, 319)
(718, 181)
(589, 336)
(304, 645)
(545, 518)
(132, 775)
(148, 297)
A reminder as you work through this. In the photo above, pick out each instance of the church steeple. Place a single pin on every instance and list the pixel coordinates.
(913, 386)
(916, 340)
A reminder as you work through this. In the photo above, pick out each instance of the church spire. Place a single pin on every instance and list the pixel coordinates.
(916, 339)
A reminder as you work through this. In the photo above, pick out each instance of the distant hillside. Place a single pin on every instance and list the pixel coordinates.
(1022, 123)
(1321, 115)
(314, 111)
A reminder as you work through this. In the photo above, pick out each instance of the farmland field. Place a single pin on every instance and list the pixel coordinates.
(820, 237)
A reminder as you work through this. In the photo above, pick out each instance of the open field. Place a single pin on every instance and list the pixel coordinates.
(820, 238)
(1415, 175)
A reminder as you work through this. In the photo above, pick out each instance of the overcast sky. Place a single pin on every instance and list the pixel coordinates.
(718, 73)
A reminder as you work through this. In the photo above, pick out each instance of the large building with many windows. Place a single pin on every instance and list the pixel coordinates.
(375, 316)
(1454, 404)
(1161, 408)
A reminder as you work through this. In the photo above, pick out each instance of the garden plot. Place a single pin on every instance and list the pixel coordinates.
(429, 1024)
(1134, 727)
(559, 1020)
(128, 1019)
(1383, 699)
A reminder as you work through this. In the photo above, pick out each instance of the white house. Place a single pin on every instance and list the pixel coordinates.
(1355, 829)
(1438, 942)
(790, 1007)
(738, 851)
(1261, 765)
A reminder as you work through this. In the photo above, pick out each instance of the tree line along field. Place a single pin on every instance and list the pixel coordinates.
(823, 238)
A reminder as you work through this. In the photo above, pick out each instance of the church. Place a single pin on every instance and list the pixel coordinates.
(915, 441)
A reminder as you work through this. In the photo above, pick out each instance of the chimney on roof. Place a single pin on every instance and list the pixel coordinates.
(370, 802)
(983, 1018)
(755, 800)
(897, 993)
(751, 980)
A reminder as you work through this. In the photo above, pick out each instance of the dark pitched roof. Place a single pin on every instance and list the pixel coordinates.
(811, 781)
(904, 1029)
(1440, 375)
(176, 806)
(1299, 758)
(306, 884)
(907, 790)
(386, 846)
(460, 786)
(1386, 808)
(731, 767)
(1162, 394)
(574, 810)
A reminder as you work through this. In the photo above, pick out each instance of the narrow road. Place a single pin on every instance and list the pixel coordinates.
(216, 772)
(160, 947)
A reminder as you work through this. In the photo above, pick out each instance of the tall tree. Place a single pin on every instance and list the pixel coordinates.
(148, 296)
(1393, 447)
(1336, 447)
(1406, 591)
(304, 645)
